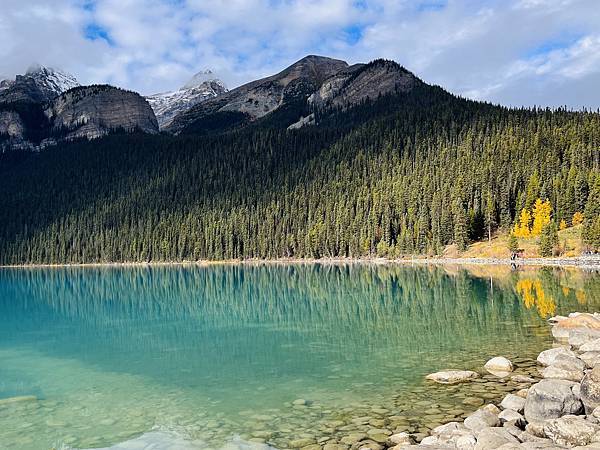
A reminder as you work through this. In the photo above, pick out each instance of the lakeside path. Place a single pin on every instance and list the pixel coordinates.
(584, 262)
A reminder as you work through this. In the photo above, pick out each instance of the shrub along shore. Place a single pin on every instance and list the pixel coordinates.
(560, 411)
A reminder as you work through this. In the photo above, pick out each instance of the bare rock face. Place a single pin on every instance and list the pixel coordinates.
(11, 124)
(258, 98)
(362, 82)
(93, 111)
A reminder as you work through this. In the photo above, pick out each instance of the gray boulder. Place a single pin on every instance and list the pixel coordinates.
(547, 357)
(590, 390)
(565, 367)
(591, 346)
(480, 419)
(550, 399)
(571, 431)
(494, 437)
(591, 359)
(581, 336)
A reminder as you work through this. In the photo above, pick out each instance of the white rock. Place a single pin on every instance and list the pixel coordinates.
(581, 336)
(591, 359)
(498, 364)
(591, 346)
(513, 402)
(494, 437)
(480, 419)
(452, 376)
(510, 415)
(400, 438)
(547, 357)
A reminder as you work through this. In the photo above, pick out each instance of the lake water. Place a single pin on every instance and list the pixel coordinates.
(241, 355)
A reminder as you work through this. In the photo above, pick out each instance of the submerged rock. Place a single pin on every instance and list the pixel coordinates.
(452, 376)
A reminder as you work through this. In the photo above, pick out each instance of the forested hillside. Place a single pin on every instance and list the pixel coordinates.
(406, 174)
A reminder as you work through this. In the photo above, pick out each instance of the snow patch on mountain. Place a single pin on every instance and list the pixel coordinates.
(51, 81)
(201, 87)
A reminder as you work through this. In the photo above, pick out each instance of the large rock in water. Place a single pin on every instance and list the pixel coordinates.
(590, 390)
(550, 399)
(499, 364)
(452, 376)
(94, 111)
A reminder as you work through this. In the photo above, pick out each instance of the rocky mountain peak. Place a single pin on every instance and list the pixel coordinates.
(51, 81)
(202, 77)
(203, 86)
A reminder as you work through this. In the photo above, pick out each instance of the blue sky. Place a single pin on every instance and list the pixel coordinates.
(514, 52)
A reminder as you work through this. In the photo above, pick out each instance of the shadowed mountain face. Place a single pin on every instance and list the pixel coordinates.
(313, 82)
(45, 106)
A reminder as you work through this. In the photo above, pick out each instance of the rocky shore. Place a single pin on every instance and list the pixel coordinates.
(562, 410)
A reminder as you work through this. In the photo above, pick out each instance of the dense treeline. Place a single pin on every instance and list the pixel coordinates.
(406, 174)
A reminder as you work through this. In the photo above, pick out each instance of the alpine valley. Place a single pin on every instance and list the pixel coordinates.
(323, 159)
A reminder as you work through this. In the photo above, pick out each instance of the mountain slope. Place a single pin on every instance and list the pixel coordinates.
(47, 105)
(202, 86)
(256, 99)
(408, 172)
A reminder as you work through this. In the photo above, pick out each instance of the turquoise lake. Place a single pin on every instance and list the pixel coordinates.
(255, 355)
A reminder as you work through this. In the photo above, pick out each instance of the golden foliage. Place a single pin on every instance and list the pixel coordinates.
(542, 210)
(521, 229)
(533, 294)
(563, 225)
(577, 218)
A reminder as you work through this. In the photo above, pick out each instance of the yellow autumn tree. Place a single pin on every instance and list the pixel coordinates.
(542, 210)
(563, 225)
(577, 218)
(521, 229)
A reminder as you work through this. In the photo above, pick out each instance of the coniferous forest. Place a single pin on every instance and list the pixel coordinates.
(406, 174)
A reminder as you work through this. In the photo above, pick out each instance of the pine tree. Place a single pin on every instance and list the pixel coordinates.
(548, 239)
(461, 238)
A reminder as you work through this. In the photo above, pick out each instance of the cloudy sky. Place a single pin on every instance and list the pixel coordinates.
(514, 52)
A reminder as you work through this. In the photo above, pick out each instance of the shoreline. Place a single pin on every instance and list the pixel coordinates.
(582, 262)
(560, 411)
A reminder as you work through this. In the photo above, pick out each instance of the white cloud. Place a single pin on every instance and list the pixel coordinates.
(515, 51)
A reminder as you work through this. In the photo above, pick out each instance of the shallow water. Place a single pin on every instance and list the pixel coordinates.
(224, 354)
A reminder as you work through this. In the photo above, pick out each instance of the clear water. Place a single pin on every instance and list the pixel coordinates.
(105, 355)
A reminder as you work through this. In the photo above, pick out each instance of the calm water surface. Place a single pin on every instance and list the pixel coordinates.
(260, 354)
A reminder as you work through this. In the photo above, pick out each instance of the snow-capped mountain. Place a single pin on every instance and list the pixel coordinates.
(202, 86)
(51, 82)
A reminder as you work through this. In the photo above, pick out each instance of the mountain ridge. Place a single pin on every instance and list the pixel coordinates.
(202, 86)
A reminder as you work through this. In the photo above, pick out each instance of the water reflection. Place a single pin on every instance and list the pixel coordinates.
(179, 345)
